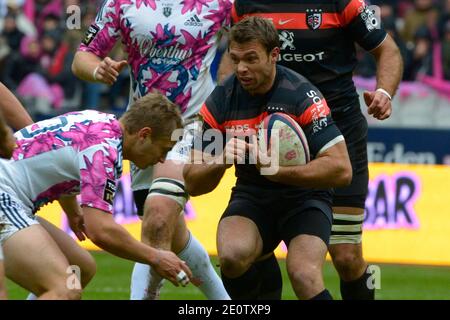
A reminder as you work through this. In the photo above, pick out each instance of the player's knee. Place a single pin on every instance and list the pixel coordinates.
(156, 210)
(157, 227)
(233, 264)
(305, 276)
(348, 262)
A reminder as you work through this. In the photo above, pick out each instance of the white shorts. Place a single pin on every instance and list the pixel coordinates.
(14, 216)
(1, 253)
(180, 154)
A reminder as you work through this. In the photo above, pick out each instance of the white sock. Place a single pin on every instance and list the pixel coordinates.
(31, 296)
(198, 261)
(139, 281)
(155, 285)
(145, 284)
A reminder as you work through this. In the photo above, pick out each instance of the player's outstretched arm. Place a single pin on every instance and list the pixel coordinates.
(389, 74)
(330, 169)
(202, 178)
(89, 67)
(74, 213)
(103, 231)
(15, 114)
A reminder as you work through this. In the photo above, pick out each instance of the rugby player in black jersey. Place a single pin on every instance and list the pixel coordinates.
(318, 41)
(294, 204)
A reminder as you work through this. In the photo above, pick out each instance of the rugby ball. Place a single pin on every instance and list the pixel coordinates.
(291, 141)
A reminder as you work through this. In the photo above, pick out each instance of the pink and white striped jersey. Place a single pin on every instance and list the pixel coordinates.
(76, 153)
(170, 44)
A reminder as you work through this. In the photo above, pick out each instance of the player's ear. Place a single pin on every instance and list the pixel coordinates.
(145, 134)
(274, 54)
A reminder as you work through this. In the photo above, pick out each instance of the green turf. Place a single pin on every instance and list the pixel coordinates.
(397, 282)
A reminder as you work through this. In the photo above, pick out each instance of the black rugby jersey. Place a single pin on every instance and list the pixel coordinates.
(317, 39)
(234, 112)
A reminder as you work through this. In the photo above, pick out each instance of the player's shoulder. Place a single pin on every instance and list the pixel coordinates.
(214, 103)
(225, 89)
(290, 79)
(341, 5)
(220, 98)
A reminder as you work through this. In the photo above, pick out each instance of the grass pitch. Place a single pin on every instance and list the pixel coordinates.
(112, 282)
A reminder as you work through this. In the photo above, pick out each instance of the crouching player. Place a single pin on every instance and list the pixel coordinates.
(80, 153)
(7, 143)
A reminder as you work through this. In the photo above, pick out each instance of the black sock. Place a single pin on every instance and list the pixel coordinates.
(324, 295)
(262, 281)
(244, 287)
(271, 285)
(357, 289)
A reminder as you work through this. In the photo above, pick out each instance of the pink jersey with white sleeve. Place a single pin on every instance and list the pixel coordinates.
(170, 44)
(76, 153)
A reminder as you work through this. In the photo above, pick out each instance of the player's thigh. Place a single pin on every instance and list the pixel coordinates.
(34, 261)
(163, 219)
(345, 245)
(346, 233)
(3, 295)
(354, 195)
(238, 238)
(244, 230)
(306, 235)
(167, 189)
(75, 254)
(349, 202)
(248, 224)
(168, 169)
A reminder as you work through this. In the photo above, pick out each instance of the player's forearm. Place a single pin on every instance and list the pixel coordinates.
(117, 241)
(84, 64)
(102, 230)
(15, 114)
(389, 66)
(202, 178)
(70, 205)
(330, 170)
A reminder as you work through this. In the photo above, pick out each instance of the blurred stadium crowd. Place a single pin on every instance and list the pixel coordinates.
(37, 48)
(38, 39)
(421, 29)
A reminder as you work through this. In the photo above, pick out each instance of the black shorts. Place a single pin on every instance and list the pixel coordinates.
(354, 129)
(139, 199)
(280, 215)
